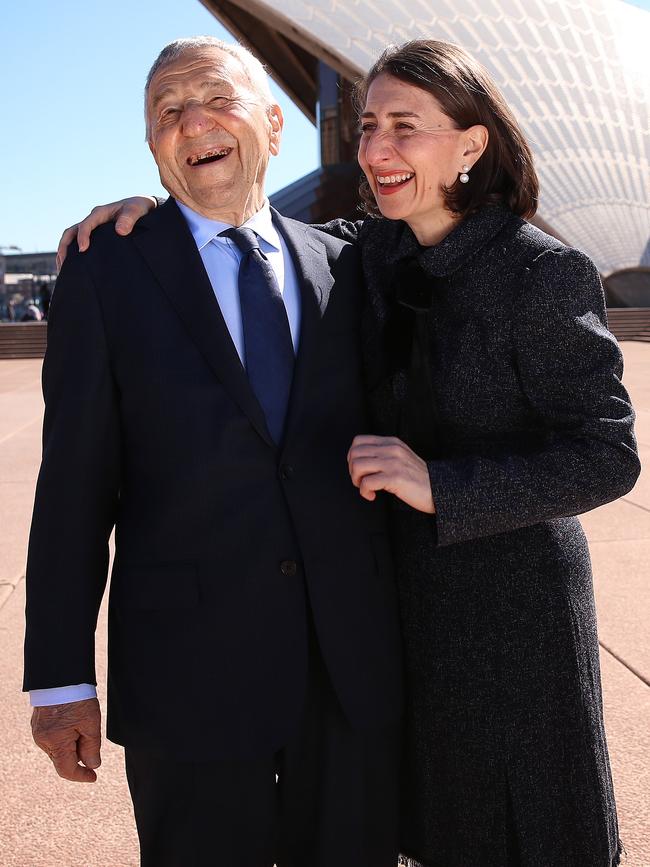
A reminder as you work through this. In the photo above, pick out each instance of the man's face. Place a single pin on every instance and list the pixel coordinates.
(211, 134)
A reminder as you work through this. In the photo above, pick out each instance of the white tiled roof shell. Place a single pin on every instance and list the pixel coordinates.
(575, 72)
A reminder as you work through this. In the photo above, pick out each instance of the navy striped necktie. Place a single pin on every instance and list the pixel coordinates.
(268, 348)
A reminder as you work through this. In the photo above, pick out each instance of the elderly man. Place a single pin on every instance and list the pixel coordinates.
(202, 388)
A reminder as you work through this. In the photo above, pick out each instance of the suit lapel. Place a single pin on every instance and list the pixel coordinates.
(168, 247)
(315, 282)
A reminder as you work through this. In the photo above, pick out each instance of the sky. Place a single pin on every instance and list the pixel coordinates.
(72, 132)
(72, 75)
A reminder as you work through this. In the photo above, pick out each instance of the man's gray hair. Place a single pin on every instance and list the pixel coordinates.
(255, 71)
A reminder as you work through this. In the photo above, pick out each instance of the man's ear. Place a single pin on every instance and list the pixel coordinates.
(276, 120)
(151, 147)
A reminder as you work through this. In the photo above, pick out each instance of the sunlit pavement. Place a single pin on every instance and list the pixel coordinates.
(47, 822)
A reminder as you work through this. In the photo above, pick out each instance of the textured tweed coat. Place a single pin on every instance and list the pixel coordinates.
(489, 355)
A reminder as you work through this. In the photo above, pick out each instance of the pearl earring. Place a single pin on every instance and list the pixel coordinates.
(464, 176)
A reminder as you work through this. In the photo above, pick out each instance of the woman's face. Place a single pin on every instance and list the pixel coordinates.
(409, 150)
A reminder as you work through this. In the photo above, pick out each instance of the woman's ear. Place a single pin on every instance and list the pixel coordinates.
(475, 141)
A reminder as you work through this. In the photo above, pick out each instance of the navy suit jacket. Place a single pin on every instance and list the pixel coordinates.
(226, 545)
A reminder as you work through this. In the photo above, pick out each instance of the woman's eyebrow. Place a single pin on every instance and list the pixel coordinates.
(392, 114)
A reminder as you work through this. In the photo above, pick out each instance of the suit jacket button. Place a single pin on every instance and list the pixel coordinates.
(286, 472)
(289, 568)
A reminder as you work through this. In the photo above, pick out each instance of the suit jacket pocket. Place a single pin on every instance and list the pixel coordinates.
(156, 586)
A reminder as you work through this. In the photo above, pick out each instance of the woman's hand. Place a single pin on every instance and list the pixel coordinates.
(388, 464)
(125, 213)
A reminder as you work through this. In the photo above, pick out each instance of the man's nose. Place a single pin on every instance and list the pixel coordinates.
(196, 119)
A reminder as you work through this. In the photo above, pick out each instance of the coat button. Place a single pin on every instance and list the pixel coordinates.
(286, 472)
(289, 568)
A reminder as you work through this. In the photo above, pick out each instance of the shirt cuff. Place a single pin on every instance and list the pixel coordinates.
(61, 694)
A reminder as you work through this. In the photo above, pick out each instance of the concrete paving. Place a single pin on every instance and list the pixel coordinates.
(47, 822)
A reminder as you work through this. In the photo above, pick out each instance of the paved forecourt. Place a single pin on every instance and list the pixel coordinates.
(48, 822)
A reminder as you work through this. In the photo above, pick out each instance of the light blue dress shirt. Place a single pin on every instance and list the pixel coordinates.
(221, 259)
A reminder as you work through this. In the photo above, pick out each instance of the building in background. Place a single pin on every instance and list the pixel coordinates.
(26, 281)
(576, 74)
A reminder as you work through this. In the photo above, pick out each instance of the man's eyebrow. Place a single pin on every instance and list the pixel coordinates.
(392, 114)
(205, 85)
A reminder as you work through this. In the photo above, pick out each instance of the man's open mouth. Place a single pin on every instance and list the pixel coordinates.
(206, 157)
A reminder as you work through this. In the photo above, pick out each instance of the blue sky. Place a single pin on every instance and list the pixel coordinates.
(72, 133)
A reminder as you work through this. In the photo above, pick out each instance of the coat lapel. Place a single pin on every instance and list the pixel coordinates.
(315, 280)
(167, 245)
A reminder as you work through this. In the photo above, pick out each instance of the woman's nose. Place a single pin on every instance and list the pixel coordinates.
(379, 146)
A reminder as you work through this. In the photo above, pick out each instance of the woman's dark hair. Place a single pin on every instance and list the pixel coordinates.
(467, 95)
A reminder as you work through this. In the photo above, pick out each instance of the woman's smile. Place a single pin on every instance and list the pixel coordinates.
(391, 181)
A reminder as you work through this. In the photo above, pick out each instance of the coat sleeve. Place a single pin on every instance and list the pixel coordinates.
(77, 489)
(345, 230)
(569, 368)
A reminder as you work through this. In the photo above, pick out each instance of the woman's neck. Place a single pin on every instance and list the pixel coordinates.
(434, 228)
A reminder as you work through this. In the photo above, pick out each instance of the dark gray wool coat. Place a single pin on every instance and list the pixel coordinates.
(489, 355)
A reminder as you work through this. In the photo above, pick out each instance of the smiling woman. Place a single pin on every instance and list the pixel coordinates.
(423, 127)
(410, 151)
(499, 415)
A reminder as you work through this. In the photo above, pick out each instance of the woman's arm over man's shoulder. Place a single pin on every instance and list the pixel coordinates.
(126, 212)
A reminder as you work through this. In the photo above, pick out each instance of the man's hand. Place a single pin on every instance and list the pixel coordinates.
(388, 464)
(125, 213)
(69, 734)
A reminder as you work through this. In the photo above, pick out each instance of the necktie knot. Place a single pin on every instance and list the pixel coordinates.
(245, 239)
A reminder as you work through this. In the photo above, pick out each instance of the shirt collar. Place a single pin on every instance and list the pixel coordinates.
(204, 230)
